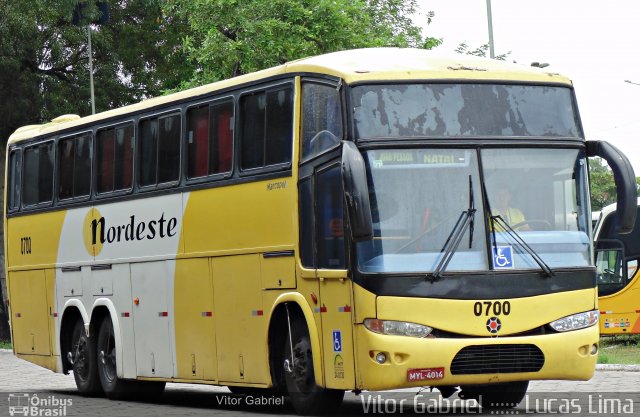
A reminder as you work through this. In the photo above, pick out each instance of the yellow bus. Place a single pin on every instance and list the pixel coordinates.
(362, 220)
(617, 256)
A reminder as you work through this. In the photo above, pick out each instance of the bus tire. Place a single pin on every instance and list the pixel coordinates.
(306, 397)
(114, 387)
(85, 366)
(502, 395)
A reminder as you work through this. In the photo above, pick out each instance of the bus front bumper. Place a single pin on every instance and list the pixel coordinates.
(413, 362)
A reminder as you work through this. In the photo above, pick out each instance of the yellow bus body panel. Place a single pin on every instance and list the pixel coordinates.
(620, 312)
(567, 356)
(44, 229)
(31, 285)
(230, 220)
(194, 320)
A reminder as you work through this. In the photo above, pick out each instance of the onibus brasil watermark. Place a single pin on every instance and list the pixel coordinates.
(24, 404)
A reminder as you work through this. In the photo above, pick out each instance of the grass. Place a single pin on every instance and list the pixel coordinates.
(624, 350)
(5, 344)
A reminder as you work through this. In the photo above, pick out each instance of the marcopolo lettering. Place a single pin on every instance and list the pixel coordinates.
(133, 230)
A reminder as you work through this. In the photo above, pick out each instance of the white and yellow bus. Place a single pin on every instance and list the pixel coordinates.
(342, 222)
(617, 256)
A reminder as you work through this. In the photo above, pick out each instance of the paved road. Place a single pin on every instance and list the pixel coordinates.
(610, 390)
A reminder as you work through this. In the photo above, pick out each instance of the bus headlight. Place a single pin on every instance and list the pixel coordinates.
(397, 328)
(576, 321)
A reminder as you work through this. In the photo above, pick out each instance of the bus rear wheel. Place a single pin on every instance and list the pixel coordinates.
(496, 396)
(306, 397)
(82, 357)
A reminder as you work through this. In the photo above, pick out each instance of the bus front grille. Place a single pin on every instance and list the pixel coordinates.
(497, 359)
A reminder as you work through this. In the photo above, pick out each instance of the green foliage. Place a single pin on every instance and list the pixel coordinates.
(44, 58)
(226, 38)
(603, 187)
(481, 51)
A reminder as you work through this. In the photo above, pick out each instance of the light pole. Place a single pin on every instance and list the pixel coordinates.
(490, 23)
(93, 99)
(80, 19)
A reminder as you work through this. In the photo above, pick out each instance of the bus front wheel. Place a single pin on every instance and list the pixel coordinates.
(82, 358)
(306, 397)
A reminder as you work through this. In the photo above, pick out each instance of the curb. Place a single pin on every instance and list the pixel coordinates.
(6, 351)
(616, 367)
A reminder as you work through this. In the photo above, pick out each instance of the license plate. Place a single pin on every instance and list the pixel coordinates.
(425, 374)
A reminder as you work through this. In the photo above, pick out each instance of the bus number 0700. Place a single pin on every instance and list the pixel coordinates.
(489, 307)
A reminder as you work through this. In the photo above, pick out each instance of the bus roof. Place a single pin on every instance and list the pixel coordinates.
(360, 65)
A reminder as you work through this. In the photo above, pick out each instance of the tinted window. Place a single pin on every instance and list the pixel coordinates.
(210, 139)
(321, 119)
(330, 230)
(267, 128)
(38, 169)
(159, 150)
(463, 110)
(306, 223)
(74, 166)
(13, 182)
(115, 158)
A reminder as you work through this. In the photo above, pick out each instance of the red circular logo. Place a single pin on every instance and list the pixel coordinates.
(494, 325)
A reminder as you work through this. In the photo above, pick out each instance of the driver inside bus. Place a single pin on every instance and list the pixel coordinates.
(502, 207)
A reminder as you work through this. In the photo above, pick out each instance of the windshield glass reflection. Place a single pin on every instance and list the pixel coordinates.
(418, 195)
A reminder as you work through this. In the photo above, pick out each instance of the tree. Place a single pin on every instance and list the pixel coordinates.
(44, 64)
(226, 38)
(481, 51)
(603, 187)
(44, 58)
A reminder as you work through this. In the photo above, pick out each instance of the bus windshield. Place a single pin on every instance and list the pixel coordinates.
(418, 195)
(463, 110)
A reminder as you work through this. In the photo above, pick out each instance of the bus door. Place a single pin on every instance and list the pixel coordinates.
(322, 236)
(335, 286)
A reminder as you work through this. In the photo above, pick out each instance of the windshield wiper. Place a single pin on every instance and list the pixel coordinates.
(450, 247)
(518, 239)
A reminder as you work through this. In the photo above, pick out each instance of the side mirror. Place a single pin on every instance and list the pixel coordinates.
(356, 190)
(625, 182)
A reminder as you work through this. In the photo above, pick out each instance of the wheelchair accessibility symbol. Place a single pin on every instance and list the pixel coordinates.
(337, 341)
(503, 257)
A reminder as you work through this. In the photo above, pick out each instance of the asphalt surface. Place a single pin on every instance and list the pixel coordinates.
(614, 390)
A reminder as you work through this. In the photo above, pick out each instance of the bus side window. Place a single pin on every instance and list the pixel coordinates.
(321, 119)
(13, 182)
(38, 169)
(210, 139)
(115, 158)
(198, 140)
(330, 230)
(221, 148)
(159, 150)
(279, 131)
(632, 268)
(169, 149)
(74, 166)
(267, 128)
